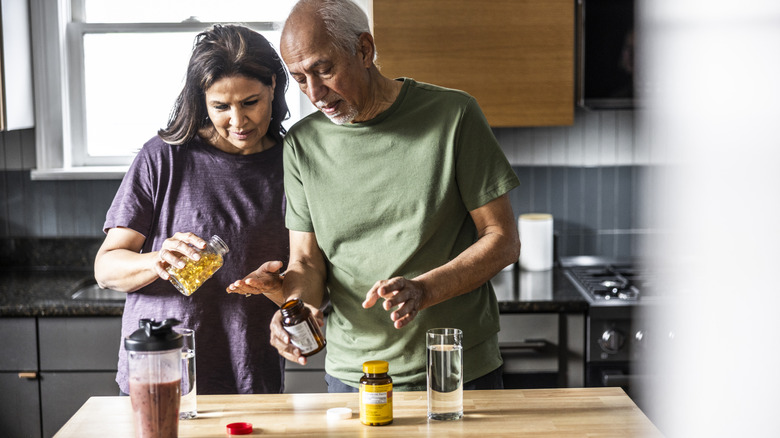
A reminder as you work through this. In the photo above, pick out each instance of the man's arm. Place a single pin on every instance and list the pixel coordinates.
(305, 274)
(303, 279)
(498, 246)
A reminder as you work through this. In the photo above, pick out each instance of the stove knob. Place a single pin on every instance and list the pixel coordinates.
(611, 341)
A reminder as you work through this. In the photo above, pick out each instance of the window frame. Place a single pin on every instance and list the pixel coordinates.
(58, 28)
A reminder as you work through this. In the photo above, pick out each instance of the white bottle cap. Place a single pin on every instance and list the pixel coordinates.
(339, 413)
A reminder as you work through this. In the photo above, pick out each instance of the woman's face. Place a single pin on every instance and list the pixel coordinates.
(240, 110)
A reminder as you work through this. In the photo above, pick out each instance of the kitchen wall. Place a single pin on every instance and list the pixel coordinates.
(587, 175)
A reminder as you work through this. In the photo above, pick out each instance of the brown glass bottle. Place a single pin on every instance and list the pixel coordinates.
(376, 394)
(303, 329)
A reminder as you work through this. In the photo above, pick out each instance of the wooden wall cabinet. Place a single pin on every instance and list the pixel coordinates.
(516, 57)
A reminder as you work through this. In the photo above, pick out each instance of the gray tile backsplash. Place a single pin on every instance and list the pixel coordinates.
(587, 175)
(66, 208)
(595, 209)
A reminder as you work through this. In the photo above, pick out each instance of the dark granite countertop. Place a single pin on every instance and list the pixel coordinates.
(47, 292)
(38, 277)
(521, 291)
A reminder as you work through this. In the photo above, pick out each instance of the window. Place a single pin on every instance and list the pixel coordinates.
(108, 71)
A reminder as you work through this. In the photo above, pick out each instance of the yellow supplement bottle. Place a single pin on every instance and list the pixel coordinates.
(376, 394)
(196, 272)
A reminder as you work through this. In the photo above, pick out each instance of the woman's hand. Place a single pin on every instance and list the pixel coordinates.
(267, 279)
(173, 251)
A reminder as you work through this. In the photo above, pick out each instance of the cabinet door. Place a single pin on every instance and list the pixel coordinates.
(20, 414)
(18, 344)
(300, 379)
(516, 57)
(79, 343)
(78, 360)
(529, 342)
(62, 394)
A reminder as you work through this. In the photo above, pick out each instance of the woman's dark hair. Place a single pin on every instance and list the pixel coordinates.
(219, 52)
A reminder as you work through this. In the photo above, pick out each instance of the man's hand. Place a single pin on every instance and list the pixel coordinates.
(406, 295)
(265, 280)
(280, 339)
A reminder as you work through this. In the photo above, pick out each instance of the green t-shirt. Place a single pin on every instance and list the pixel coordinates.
(391, 197)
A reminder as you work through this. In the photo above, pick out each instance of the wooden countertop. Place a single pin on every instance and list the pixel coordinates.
(569, 412)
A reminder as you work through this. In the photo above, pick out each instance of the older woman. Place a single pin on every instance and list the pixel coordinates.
(215, 169)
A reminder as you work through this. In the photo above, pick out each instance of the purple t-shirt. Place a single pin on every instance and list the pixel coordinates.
(198, 188)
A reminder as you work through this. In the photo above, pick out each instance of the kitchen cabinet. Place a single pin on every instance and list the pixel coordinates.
(49, 366)
(19, 398)
(78, 359)
(516, 57)
(542, 350)
(300, 379)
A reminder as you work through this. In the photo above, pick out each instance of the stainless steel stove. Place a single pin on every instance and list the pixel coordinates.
(618, 292)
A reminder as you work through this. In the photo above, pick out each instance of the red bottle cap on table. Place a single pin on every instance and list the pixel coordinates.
(239, 428)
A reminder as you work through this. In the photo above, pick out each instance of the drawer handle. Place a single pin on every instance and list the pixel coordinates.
(534, 344)
(28, 375)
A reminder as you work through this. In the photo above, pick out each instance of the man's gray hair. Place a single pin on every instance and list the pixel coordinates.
(344, 21)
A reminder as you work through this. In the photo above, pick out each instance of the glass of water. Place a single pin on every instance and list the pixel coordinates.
(188, 407)
(445, 373)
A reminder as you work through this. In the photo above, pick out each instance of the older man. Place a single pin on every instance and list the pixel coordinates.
(397, 207)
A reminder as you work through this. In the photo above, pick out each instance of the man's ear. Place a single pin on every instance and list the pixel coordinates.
(366, 48)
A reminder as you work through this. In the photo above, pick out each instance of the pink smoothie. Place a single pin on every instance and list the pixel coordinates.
(155, 409)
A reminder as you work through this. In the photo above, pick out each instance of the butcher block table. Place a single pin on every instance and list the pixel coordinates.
(570, 412)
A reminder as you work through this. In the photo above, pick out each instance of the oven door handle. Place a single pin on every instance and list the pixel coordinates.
(519, 347)
(617, 379)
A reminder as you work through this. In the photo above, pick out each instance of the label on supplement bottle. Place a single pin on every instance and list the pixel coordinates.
(302, 337)
(376, 404)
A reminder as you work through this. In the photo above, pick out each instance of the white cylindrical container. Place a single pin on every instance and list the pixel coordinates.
(536, 285)
(536, 241)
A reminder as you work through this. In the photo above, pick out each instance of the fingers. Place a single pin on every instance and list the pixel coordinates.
(265, 280)
(403, 316)
(400, 293)
(271, 267)
(186, 244)
(280, 340)
(173, 251)
(371, 297)
(386, 289)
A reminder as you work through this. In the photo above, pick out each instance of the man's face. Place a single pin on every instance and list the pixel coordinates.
(336, 83)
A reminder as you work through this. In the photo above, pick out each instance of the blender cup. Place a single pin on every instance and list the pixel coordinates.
(154, 361)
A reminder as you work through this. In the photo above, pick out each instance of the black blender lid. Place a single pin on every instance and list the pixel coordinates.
(154, 336)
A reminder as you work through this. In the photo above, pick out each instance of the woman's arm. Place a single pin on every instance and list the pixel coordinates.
(121, 266)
